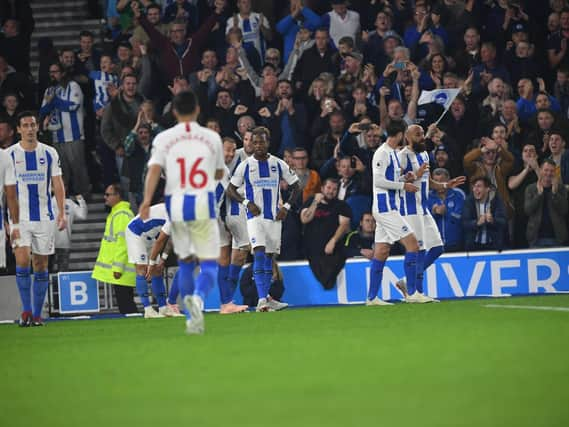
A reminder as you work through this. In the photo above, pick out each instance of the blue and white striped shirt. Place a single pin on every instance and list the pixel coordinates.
(65, 110)
(34, 172)
(150, 229)
(101, 81)
(415, 203)
(261, 179)
(386, 179)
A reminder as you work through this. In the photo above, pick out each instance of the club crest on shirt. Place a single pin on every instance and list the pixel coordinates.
(42, 160)
(451, 204)
(404, 228)
(273, 168)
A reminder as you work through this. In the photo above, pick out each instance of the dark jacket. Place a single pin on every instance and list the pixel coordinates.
(118, 120)
(311, 64)
(496, 230)
(557, 207)
(172, 64)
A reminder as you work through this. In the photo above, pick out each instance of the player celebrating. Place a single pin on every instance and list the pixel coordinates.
(192, 159)
(140, 236)
(391, 226)
(261, 175)
(414, 161)
(8, 186)
(37, 170)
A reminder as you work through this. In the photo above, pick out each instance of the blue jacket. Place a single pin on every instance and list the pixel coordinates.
(288, 27)
(526, 109)
(449, 224)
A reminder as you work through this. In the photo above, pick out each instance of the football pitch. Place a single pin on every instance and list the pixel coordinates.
(457, 363)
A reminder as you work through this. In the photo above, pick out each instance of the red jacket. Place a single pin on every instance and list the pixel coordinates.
(172, 65)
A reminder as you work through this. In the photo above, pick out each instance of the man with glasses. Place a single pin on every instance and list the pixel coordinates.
(309, 180)
(63, 104)
(37, 172)
(112, 265)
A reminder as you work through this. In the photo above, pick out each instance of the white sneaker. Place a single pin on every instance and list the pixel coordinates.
(193, 329)
(377, 301)
(276, 305)
(194, 305)
(150, 313)
(263, 306)
(418, 298)
(167, 311)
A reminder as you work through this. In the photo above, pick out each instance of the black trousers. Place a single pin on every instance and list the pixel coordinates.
(125, 299)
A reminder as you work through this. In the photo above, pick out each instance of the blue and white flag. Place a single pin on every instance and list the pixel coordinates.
(443, 97)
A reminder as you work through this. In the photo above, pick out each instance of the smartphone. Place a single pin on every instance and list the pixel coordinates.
(400, 65)
(364, 126)
(353, 162)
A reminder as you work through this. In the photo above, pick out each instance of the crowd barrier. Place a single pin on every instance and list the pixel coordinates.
(455, 275)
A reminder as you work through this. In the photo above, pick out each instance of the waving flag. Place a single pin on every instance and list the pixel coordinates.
(443, 97)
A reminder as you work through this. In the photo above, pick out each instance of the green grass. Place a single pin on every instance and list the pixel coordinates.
(450, 364)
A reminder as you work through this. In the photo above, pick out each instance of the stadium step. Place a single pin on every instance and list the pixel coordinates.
(61, 21)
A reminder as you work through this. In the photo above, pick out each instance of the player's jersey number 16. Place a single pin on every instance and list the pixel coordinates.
(196, 178)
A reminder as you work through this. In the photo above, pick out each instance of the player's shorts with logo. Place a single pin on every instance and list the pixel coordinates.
(417, 225)
(390, 227)
(265, 232)
(138, 247)
(39, 235)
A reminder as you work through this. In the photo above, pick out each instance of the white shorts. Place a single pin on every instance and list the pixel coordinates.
(138, 248)
(237, 226)
(417, 225)
(224, 234)
(265, 232)
(431, 234)
(390, 227)
(39, 235)
(199, 238)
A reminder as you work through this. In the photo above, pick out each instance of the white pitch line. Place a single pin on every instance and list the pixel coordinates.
(528, 307)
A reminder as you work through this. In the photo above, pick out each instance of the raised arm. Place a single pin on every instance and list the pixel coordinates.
(307, 214)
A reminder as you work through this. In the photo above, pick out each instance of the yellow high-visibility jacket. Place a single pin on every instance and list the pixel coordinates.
(113, 255)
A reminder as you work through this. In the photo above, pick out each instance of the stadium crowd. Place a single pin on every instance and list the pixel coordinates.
(326, 77)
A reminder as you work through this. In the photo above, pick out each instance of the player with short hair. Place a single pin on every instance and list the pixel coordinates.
(37, 170)
(8, 187)
(261, 175)
(191, 157)
(414, 160)
(140, 236)
(390, 225)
